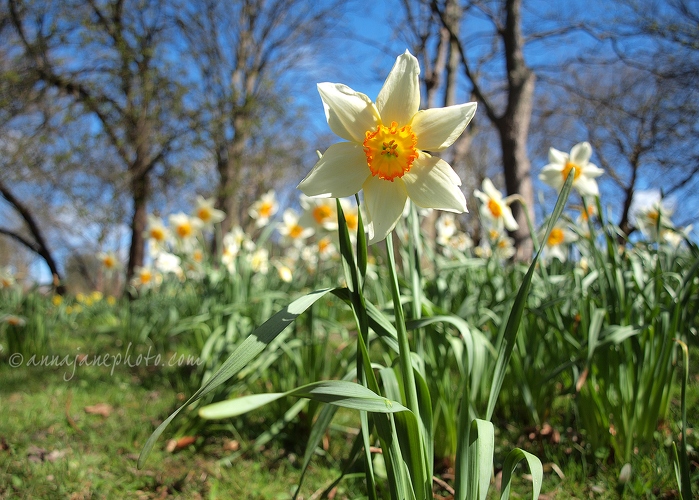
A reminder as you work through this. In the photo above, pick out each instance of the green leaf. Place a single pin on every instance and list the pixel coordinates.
(253, 345)
(337, 392)
(506, 342)
(535, 468)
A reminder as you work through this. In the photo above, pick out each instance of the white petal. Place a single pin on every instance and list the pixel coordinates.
(592, 170)
(399, 98)
(510, 222)
(556, 156)
(340, 172)
(430, 184)
(586, 186)
(490, 190)
(384, 202)
(350, 114)
(551, 175)
(437, 129)
(580, 154)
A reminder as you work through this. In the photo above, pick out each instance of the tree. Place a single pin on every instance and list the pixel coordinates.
(512, 118)
(118, 73)
(245, 54)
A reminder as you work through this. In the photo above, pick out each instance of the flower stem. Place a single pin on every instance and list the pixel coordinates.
(406, 365)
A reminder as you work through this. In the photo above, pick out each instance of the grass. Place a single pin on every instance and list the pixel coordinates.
(50, 446)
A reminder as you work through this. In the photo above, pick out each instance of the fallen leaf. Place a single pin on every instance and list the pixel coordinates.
(177, 444)
(231, 445)
(99, 409)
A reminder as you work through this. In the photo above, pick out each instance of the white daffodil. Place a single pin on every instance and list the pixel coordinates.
(264, 208)
(109, 260)
(319, 213)
(146, 277)
(157, 233)
(556, 246)
(292, 232)
(446, 228)
(494, 208)
(184, 226)
(259, 261)
(169, 263)
(206, 213)
(7, 279)
(653, 217)
(560, 164)
(385, 153)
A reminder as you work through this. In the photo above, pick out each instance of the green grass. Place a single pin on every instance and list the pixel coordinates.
(50, 447)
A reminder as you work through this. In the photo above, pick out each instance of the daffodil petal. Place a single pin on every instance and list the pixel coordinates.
(551, 175)
(430, 184)
(384, 202)
(350, 114)
(399, 98)
(509, 219)
(340, 172)
(437, 129)
(580, 154)
(586, 186)
(592, 170)
(556, 156)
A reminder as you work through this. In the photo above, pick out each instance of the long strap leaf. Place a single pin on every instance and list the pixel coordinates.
(253, 345)
(506, 342)
(337, 392)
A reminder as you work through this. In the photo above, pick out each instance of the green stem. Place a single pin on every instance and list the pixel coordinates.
(406, 365)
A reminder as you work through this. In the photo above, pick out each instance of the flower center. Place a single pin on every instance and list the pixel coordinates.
(321, 213)
(265, 209)
(390, 151)
(571, 166)
(295, 231)
(145, 276)
(653, 216)
(184, 230)
(556, 237)
(494, 208)
(157, 233)
(204, 214)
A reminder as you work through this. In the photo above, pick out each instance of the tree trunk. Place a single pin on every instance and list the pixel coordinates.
(140, 191)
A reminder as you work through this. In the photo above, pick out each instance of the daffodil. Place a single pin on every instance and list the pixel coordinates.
(293, 233)
(264, 208)
(6, 277)
(494, 208)
(157, 233)
(385, 153)
(556, 245)
(584, 173)
(653, 217)
(184, 226)
(109, 260)
(206, 213)
(319, 213)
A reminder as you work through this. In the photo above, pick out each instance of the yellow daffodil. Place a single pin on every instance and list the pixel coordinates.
(584, 173)
(385, 153)
(494, 208)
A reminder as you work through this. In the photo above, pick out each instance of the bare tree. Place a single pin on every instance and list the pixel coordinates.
(510, 110)
(247, 54)
(118, 74)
